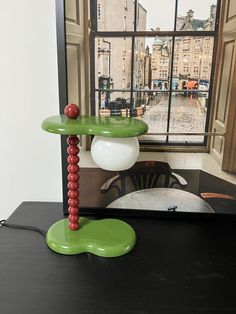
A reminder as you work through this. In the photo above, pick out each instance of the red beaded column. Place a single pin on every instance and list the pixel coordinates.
(72, 111)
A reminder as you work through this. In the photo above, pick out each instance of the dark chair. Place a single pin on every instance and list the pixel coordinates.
(220, 203)
(144, 175)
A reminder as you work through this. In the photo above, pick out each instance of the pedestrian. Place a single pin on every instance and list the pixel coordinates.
(184, 87)
(154, 87)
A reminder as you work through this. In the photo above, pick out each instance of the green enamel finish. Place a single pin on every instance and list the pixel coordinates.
(105, 237)
(90, 125)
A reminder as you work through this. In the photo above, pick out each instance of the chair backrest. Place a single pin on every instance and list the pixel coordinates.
(146, 174)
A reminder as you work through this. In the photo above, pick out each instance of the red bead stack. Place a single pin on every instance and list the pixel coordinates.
(72, 111)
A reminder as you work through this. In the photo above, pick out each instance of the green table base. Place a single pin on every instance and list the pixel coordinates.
(105, 237)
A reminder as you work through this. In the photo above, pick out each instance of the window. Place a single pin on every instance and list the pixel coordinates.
(186, 58)
(175, 70)
(176, 58)
(196, 57)
(99, 11)
(186, 44)
(195, 71)
(153, 62)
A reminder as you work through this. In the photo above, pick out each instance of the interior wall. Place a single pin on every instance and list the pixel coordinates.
(30, 166)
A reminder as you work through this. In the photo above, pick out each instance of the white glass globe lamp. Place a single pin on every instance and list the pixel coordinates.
(115, 154)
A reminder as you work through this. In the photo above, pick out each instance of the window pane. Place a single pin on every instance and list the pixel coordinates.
(152, 63)
(196, 15)
(113, 63)
(140, 102)
(188, 114)
(115, 15)
(192, 62)
(113, 103)
(147, 65)
(155, 113)
(142, 61)
(161, 63)
(153, 15)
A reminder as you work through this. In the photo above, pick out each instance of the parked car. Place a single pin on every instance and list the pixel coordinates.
(203, 88)
(119, 107)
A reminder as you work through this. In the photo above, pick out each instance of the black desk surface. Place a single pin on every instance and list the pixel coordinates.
(179, 266)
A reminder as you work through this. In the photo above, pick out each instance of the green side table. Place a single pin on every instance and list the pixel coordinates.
(113, 135)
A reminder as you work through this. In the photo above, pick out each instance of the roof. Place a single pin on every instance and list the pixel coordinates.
(198, 23)
(195, 24)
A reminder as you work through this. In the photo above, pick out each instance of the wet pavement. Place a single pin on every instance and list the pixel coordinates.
(186, 115)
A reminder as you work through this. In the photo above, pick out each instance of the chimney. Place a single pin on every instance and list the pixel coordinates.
(213, 11)
(190, 15)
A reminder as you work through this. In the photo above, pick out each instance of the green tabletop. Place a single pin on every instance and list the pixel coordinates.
(91, 125)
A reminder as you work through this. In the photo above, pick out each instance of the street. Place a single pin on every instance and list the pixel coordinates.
(187, 115)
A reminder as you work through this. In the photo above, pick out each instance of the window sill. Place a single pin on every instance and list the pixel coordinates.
(184, 161)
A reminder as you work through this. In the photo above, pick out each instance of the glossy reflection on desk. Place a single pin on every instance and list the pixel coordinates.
(162, 199)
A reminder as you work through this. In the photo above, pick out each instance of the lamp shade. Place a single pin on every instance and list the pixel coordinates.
(115, 154)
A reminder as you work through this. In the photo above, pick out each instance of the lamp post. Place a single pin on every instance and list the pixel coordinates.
(106, 75)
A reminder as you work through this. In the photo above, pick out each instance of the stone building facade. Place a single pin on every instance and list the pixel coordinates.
(192, 55)
(113, 55)
(152, 65)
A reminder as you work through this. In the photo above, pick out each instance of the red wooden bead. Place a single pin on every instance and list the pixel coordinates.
(73, 218)
(72, 150)
(73, 226)
(73, 177)
(73, 202)
(73, 186)
(73, 194)
(72, 111)
(72, 159)
(73, 210)
(73, 168)
(73, 140)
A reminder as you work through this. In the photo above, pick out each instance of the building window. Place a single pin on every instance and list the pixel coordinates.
(195, 71)
(186, 44)
(158, 62)
(164, 61)
(186, 70)
(176, 58)
(196, 57)
(99, 11)
(175, 70)
(186, 58)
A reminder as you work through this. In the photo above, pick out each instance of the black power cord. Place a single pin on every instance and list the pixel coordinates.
(3, 223)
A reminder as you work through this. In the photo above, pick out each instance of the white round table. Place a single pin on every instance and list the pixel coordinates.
(162, 199)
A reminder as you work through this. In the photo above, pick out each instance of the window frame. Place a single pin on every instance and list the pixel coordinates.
(95, 33)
